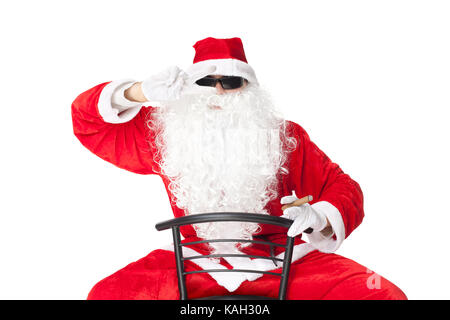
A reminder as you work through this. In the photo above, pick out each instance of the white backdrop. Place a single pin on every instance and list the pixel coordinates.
(369, 81)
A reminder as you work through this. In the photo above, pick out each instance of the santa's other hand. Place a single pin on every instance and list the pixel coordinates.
(304, 217)
(288, 199)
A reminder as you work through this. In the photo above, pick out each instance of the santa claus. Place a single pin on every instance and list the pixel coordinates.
(219, 144)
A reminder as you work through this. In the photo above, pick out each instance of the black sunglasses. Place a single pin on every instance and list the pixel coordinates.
(227, 82)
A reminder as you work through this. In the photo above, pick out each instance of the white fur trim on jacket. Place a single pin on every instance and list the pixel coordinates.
(323, 243)
(112, 104)
(232, 280)
(226, 67)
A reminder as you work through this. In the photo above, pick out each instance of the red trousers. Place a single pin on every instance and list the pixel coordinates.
(313, 277)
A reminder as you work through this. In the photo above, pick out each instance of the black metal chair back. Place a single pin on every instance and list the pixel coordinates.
(176, 223)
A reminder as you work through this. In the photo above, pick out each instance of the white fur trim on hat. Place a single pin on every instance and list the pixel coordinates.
(226, 67)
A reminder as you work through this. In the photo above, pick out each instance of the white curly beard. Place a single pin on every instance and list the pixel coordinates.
(222, 153)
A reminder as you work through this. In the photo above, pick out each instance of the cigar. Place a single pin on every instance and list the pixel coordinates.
(297, 203)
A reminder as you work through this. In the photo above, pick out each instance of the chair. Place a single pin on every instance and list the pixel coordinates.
(176, 223)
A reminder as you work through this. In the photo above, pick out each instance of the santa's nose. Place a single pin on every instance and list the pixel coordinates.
(219, 88)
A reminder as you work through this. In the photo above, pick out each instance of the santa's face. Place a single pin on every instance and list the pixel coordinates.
(220, 90)
(222, 152)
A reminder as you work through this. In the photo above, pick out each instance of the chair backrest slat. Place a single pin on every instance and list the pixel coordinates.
(235, 255)
(235, 270)
(273, 244)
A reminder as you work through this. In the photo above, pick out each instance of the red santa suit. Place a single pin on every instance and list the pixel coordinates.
(115, 130)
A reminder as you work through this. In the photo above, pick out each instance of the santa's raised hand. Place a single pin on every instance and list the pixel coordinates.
(172, 82)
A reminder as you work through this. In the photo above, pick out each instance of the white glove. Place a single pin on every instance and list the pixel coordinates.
(289, 199)
(304, 217)
(169, 84)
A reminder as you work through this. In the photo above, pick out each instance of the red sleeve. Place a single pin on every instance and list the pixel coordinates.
(122, 144)
(326, 181)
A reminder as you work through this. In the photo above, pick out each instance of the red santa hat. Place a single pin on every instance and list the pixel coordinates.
(227, 55)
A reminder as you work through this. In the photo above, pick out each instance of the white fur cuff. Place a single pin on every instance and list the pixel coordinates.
(112, 105)
(317, 239)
